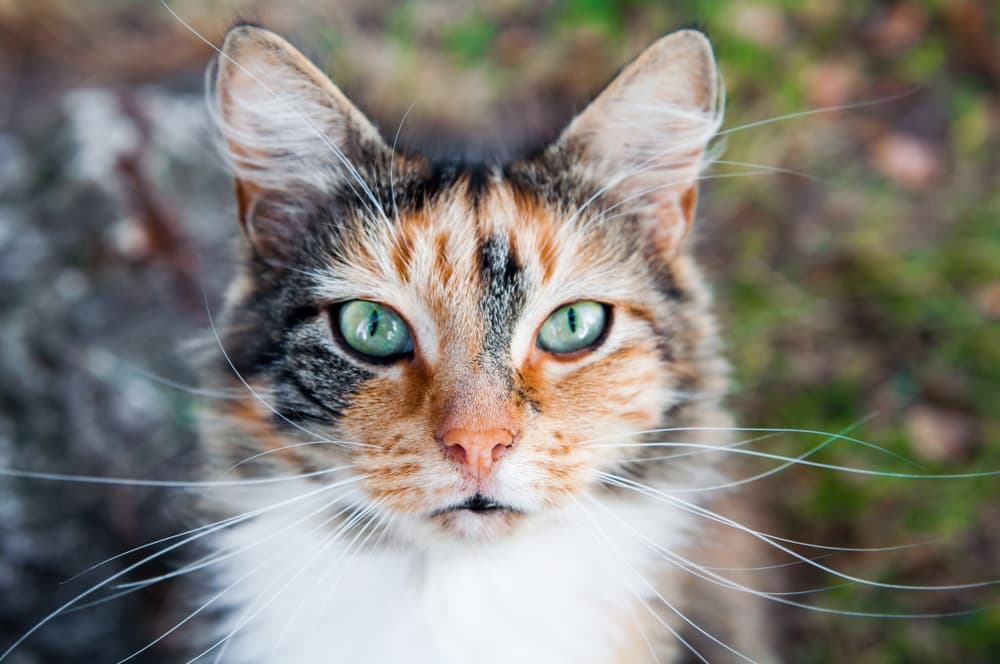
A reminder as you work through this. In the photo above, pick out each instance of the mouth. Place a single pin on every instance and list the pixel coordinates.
(478, 504)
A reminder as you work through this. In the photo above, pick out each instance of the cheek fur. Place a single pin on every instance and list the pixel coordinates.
(403, 466)
(622, 392)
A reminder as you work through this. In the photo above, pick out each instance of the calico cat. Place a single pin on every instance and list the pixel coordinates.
(461, 385)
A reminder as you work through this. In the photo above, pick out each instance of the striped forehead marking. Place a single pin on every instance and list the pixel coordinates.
(502, 300)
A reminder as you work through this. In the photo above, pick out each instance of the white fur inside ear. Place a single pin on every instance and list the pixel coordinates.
(284, 125)
(646, 135)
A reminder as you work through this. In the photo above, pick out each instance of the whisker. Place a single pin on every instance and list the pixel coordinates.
(660, 187)
(776, 430)
(239, 518)
(283, 448)
(322, 583)
(632, 484)
(212, 559)
(778, 170)
(775, 542)
(392, 161)
(242, 578)
(182, 387)
(703, 573)
(763, 568)
(97, 586)
(591, 530)
(122, 481)
(774, 471)
(817, 111)
(682, 455)
(328, 542)
(664, 600)
(44, 621)
(814, 464)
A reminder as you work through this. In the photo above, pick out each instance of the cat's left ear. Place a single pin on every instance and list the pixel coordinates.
(290, 135)
(645, 136)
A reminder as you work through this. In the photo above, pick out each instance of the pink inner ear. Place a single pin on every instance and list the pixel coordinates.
(668, 223)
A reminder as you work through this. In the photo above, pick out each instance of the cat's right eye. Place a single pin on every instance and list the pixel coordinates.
(373, 329)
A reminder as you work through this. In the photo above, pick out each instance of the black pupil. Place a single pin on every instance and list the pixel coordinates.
(571, 317)
(372, 323)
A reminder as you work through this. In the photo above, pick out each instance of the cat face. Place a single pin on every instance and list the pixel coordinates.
(459, 339)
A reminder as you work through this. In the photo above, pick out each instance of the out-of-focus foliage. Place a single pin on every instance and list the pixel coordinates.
(856, 252)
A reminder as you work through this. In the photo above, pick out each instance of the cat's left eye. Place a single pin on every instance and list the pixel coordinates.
(573, 327)
(373, 329)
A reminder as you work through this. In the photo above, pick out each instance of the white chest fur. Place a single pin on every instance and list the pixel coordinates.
(561, 592)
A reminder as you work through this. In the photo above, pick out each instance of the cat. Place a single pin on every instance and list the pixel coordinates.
(460, 385)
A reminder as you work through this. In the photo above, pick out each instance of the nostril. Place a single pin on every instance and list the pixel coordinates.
(500, 450)
(476, 451)
(456, 453)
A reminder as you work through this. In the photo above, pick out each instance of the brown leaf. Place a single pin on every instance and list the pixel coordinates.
(939, 434)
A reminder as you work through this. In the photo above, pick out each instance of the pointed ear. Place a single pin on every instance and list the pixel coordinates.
(289, 133)
(645, 135)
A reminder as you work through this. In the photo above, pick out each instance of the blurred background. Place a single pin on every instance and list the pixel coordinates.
(855, 253)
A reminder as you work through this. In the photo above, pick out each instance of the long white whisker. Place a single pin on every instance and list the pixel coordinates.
(774, 471)
(213, 559)
(817, 111)
(329, 541)
(123, 481)
(776, 430)
(283, 448)
(239, 518)
(392, 161)
(815, 464)
(230, 554)
(322, 583)
(762, 568)
(707, 575)
(682, 455)
(627, 483)
(662, 599)
(602, 540)
(660, 187)
(775, 543)
(189, 389)
(779, 170)
(44, 621)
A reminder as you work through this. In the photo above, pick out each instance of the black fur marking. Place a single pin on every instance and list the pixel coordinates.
(523, 397)
(315, 382)
(502, 302)
(665, 282)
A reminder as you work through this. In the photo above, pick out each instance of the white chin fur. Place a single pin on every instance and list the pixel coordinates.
(553, 591)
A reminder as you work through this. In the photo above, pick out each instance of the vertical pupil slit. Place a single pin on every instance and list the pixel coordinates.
(571, 318)
(372, 322)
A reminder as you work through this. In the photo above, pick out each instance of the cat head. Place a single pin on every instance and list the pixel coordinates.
(456, 339)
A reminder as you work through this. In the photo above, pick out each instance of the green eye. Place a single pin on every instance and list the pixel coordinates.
(374, 330)
(573, 327)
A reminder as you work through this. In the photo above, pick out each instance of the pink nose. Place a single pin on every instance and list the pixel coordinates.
(477, 451)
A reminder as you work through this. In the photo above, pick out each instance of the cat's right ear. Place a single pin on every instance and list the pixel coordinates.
(289, 133)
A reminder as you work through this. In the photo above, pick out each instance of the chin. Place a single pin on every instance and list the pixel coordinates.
(478, 525)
